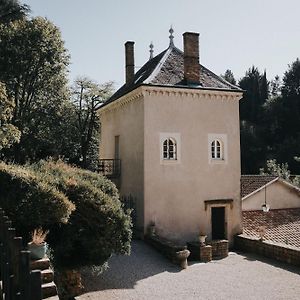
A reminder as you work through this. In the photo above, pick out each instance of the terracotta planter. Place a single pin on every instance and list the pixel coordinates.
(37, 251)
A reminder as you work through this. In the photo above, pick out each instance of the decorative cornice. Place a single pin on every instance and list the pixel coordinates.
(122, 101)
(206, 94)
(145, 90)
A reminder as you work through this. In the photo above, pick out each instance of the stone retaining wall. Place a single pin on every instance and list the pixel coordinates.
(280, 252)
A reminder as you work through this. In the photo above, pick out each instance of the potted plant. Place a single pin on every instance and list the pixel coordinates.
(202, 237)
(38, 246)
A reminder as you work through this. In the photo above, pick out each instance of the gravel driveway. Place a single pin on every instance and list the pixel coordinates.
(145, 274)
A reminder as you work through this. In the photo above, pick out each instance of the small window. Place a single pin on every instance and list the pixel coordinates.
(170, 149)
(216, 149)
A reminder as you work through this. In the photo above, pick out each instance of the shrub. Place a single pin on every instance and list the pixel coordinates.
(29, 202)
(97, 228)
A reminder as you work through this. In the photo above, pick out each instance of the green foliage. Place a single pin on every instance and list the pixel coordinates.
(281, 170)
(11, 10)
(228, 76)
(282, 118)
(9, 134)
(97, 228)
(253, 146)
(273, 168)
(87, 96)
(256, 89)
(33, 65)
(291, 81)
(30, 202)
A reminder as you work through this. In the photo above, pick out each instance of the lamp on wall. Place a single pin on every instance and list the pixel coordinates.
(265, 207)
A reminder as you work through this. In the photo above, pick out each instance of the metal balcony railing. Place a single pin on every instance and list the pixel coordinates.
(110, 167)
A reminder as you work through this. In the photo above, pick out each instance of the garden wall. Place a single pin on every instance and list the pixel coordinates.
(280, 252)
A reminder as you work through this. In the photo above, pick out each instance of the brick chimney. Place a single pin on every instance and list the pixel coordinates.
(191, 57)
(129, 62)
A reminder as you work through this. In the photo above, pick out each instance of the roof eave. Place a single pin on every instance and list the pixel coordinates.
(195, 87)
(259, 189)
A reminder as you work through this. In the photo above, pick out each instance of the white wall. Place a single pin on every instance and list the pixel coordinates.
(278, 196)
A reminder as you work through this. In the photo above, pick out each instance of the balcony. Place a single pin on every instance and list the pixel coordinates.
(110, 168)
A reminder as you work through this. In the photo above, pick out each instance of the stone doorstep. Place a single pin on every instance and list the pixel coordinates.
(41, 264)
(49, 290)
(47, 276)
(48, 286)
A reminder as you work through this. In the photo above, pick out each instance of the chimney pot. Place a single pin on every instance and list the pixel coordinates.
(191, 57)
(129, 62)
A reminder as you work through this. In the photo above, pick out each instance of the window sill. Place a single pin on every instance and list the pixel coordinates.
(169, 161)
(217, 161)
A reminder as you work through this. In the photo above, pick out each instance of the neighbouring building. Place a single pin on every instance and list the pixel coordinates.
(281, 223)
(171, 137)
(273, 191)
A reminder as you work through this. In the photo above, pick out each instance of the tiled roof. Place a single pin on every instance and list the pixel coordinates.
(250, 183)
(166, 69)
(282, 225)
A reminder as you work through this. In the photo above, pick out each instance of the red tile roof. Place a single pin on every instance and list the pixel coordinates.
(282, 225)
(250, 183)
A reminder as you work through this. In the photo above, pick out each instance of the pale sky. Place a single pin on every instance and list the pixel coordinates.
(234, 34)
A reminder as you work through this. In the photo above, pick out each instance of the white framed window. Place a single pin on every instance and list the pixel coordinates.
(169, 147)
(217, 148)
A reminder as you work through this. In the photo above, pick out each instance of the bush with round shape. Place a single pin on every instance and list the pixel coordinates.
(29, 202)
(97, 228)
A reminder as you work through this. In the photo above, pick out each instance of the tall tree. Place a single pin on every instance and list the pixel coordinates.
(256, 89)
(275, 86)
(87, 97)
(253, 146)
(283, 117)
(33, 66)
(9, 134)
(11, 10)
(228, 76)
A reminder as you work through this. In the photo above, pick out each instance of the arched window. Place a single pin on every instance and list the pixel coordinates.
(216, 149)
(170, 149)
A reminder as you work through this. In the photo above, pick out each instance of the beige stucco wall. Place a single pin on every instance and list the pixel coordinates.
(278, 195)
(127, 121)
(175, 192)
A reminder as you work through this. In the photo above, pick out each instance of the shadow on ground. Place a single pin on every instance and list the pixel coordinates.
(125, 271)
(254, 257)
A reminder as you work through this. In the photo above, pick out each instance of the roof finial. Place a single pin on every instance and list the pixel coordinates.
(151, 46)
(171, 36)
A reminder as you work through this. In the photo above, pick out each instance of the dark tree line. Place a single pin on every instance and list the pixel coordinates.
(270, 119)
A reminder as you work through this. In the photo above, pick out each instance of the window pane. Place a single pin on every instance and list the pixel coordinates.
(213, 149)
(169, 149)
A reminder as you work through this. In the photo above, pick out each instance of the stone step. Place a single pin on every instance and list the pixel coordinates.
(47, 276)
(41, 264)
(49, 290)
